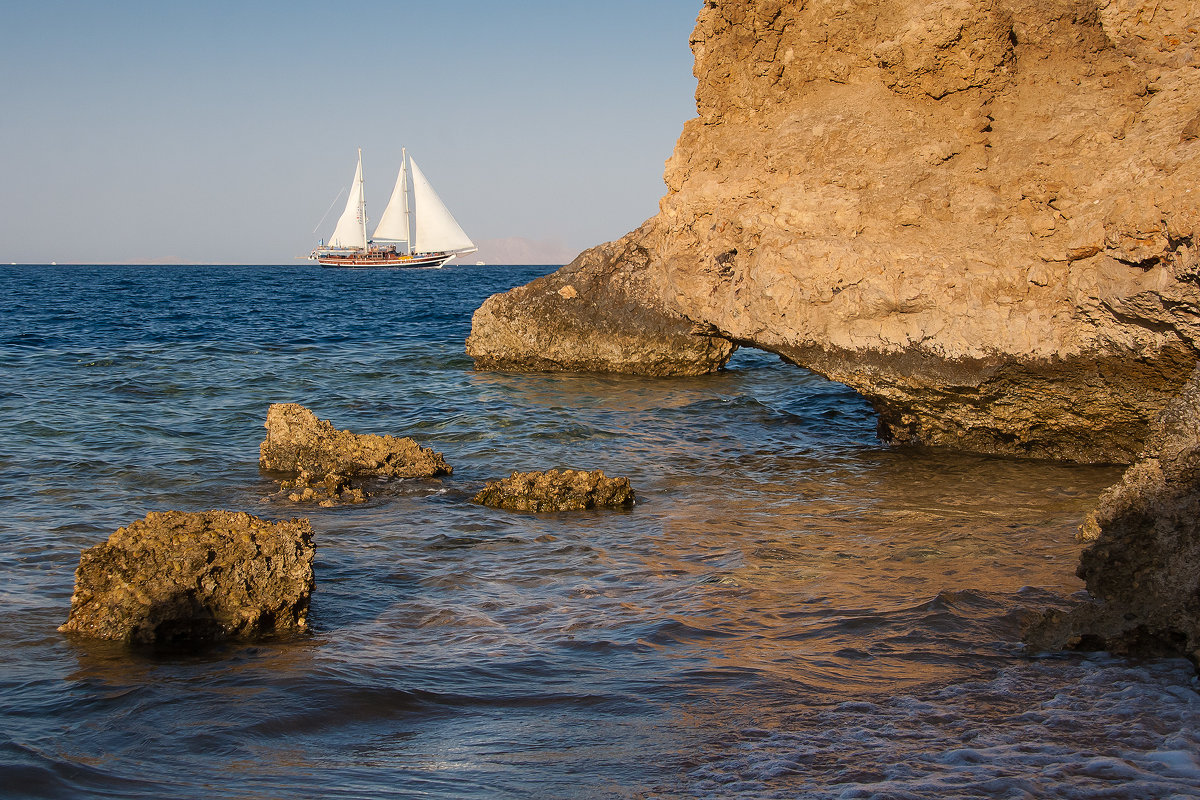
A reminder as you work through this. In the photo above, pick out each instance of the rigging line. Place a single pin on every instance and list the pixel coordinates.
(331, 205)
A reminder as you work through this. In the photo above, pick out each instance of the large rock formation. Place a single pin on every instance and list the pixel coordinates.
(186, 579)
(1143, 569)
(324, 462)
(981, 214)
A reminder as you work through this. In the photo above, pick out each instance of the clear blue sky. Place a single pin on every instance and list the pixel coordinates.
(219, 132)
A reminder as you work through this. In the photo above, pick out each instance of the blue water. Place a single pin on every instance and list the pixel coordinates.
(791, 609)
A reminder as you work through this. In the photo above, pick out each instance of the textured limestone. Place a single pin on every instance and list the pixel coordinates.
(1143, 567)
(981, 214)
(552, 325)
(179, 578)
(324, 461)
(556, 490)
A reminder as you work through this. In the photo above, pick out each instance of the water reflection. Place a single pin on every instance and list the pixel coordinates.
(789, 604)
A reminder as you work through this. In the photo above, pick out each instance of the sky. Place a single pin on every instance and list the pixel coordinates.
(221, 132)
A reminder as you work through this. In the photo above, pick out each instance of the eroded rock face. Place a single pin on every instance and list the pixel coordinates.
(324, 461)
(556, 490)
(553, 324)
(185, 579)
(1143, 568)
(980, 214)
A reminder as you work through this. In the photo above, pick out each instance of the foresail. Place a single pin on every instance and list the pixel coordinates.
(393, 225)
(436, 229)
(350, 231)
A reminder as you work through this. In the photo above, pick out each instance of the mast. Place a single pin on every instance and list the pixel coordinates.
(404, 179)
(362, 204)
(393, 223)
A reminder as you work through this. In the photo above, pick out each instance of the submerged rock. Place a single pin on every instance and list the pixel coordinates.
(1143, 567)
(556, 490)
(325, 462)
(185, 578)
(983, 215)
(327, 490)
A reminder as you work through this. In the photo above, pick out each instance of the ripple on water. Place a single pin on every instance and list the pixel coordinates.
(790, 609)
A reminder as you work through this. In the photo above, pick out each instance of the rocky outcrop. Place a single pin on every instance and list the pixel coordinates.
(1143, 568)
(552, 324)
(324, 462)
(983, 215)
(187, 579)
(556, 490)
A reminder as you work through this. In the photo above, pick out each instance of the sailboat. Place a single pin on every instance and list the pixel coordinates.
(423, 235)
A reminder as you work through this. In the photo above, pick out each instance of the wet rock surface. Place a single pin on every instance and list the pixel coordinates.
(326, 490)
(184, 579)
(983, 215)
(326, 465)
(1143, 566)
(556, 490)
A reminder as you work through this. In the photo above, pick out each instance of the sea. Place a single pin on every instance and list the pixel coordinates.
(791, 609)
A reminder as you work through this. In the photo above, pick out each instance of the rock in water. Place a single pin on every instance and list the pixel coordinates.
(320, 456)
(983, 215)
(1143, 569)
(185, 579)
(587, 319)
(556, 490)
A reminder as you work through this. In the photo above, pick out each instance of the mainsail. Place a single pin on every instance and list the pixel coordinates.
(393, 225)
(351, 230)
(436, 229)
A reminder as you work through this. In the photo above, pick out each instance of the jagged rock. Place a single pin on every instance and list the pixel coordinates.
(980, 214)
(556, 490)
(325, 461)
(551, 325)
(1143, 567)
(187, 579)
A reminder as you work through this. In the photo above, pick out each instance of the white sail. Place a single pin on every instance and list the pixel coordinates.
(351, 230)
(436, 230)
(393, 225)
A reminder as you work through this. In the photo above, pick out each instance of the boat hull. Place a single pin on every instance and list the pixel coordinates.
(382, 260)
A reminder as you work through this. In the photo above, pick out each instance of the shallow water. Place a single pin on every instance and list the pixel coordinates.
(790, 610)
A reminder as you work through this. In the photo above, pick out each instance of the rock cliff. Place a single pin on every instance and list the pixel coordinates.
(980, 214)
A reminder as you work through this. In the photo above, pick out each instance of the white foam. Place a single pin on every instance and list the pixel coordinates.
(1074, 729)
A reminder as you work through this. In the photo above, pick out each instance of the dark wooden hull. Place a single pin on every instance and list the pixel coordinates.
(382, 260)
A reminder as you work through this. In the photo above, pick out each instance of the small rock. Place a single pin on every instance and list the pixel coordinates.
(1191, 130)
(556, 490)
(325, 461)
(194, 578)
